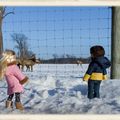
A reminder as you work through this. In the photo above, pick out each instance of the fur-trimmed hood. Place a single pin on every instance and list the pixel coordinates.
(11, 59)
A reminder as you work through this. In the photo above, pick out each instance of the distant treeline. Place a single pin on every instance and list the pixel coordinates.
(66, 60)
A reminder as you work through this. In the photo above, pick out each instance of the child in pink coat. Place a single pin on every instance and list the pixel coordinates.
(14, 77)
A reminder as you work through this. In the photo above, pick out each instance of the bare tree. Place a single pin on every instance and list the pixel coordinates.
(55, 56)
(22, 45)
(3, 14)
(69, 56)
(63, 56)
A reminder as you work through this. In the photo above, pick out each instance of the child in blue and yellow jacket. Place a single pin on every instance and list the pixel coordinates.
(96, 71)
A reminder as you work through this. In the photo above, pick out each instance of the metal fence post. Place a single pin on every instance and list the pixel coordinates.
(115, 48)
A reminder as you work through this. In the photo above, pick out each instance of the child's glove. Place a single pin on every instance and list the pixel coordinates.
(24, 81)
(86, 77)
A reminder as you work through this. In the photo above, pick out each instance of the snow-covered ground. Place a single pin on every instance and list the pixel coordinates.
(59, 89)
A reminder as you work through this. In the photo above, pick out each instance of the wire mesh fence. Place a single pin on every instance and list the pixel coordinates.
(59, 36)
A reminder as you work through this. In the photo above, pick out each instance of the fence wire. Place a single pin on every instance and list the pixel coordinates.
(60, 34)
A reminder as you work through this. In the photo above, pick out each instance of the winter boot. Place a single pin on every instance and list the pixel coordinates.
(9, 104)
(19, 106)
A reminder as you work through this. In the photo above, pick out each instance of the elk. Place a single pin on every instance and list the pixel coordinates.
(18, 61)
(79, 62)
(29, 63)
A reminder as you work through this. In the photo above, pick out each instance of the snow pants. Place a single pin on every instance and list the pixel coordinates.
(93, 89)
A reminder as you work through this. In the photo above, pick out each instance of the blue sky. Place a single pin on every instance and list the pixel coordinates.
(59, 30)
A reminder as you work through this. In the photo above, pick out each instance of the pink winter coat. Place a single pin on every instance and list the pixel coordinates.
(13, 77)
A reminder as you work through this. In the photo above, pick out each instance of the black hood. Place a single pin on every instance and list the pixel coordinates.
(103, 61)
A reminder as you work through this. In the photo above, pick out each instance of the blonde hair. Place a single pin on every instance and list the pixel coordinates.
(3, 66)
(3, 62)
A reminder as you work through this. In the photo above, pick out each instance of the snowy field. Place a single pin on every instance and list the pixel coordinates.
(59, 89)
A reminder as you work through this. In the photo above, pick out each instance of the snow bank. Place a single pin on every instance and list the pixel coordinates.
(60, 90)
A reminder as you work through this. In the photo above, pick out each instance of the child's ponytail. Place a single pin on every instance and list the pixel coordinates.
(7, 57)
(3, 66)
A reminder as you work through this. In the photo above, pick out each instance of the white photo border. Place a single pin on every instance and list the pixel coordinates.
(110, 3)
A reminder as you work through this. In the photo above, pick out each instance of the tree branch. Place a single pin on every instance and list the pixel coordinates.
(4, 9)
(7, 14)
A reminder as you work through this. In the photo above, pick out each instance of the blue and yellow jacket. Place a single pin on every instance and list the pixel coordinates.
(97, 69)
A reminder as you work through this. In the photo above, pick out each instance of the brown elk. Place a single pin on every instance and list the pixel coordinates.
(29, 63)
(79, 62)
(18, 61)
